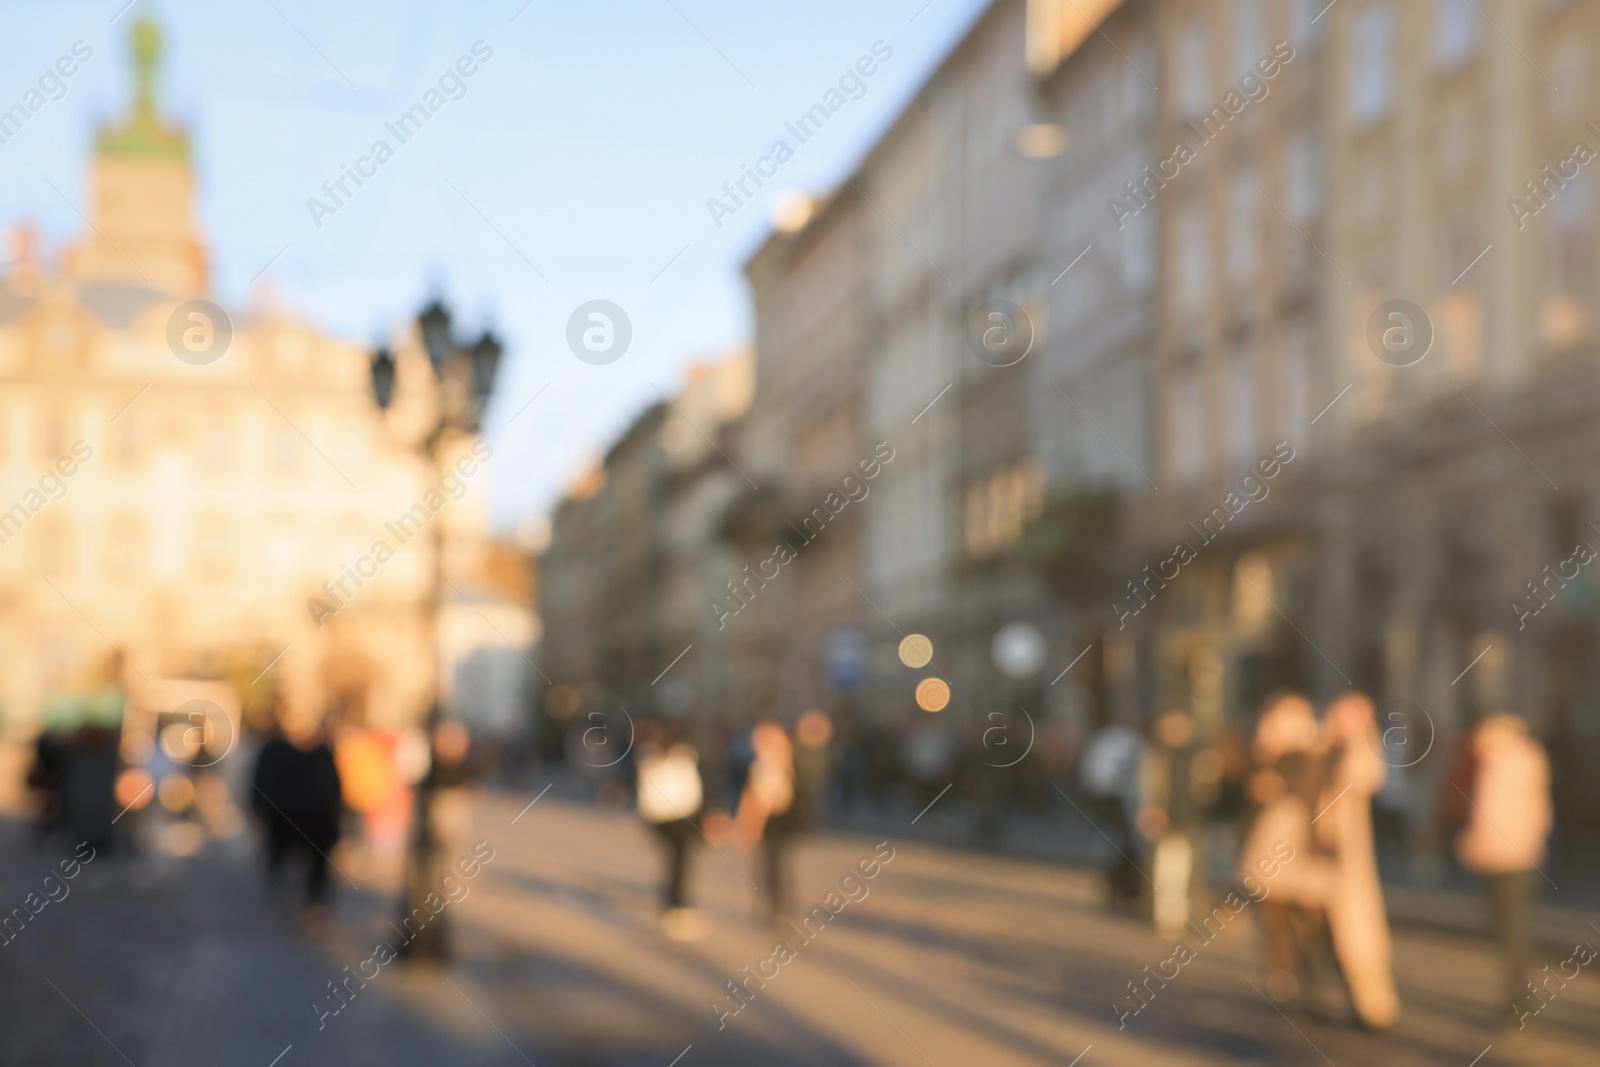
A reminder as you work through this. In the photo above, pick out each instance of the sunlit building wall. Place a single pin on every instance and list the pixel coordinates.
(1464, 480)
(214, 514)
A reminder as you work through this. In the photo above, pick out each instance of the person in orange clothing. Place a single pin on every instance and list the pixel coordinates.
(374, 789)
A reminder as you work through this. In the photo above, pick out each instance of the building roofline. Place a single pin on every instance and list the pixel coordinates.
(903, 118)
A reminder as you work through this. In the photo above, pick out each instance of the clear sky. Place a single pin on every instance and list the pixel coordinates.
(583, 150)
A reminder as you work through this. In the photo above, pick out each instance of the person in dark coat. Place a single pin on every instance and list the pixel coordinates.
(296, 795)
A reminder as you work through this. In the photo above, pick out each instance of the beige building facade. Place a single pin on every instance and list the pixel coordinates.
(203, 514)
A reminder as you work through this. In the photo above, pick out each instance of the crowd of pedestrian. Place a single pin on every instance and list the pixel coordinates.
(1167, 802)
(769, 793)
(1310, 786)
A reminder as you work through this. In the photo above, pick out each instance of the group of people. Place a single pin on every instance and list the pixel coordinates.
(1305, 788)
(771, 804)
(74, 767)
(1311, 788)
(314, 778)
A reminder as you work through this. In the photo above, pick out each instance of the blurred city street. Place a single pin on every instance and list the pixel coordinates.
(932, 532)
(945, 961)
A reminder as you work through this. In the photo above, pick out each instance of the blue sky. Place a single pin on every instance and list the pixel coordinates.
(584, 150)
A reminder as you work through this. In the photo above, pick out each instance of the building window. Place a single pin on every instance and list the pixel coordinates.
(126, 550)
(1305, 22)
(998, 507)
(1297, 384)
(1569, 69)
(1565, 315)
(54, 547)
(212, 559)
(1242, 407)
(1455, 139)
(1372, 191)
(127, 441)
(52, 437)
(1188, 423)
(1139, 252)
(1249, 35)
(1082, 298)
(1194, 258)
(1194, 67)
(1138, 94)
(1455, 32)
(283, 446)
(217, 444)
(1244, 232)
(283, 547)
(1372, 64)
(1304, 171)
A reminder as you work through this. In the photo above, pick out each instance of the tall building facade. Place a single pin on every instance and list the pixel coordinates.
(1309, 291)
(200, 517)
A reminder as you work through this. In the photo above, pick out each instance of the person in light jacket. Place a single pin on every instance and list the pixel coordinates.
(1343, 823)
(1292, 905)
(671, 798)
(1507, 826)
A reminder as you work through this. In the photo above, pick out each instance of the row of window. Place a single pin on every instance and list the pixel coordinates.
(1456, 33)
(217, 550)
(1247, 207)
(1239, 424)
(47, 433)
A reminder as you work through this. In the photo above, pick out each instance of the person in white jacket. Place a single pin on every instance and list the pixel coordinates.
(1343, 824)
(1507, 827)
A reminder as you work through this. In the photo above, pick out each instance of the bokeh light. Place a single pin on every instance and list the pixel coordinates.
(933, 694)
(916, 651)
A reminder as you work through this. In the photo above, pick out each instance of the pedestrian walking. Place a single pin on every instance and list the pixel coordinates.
(1291, 906)
(90, 721)
(671, 799)
(45, 776)
(1108, 779)
(1176, 796)
(1505, 834)
(768, 813)
(296, 795)
(1356, 916)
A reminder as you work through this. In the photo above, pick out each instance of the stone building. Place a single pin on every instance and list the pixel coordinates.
(1459, 485)
(1313, 492)
(204, 516)
(637, 565)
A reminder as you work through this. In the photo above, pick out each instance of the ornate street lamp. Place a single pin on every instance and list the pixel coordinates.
(463, 380)
(382, 378)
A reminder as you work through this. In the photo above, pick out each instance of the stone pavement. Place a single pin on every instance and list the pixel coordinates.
(950, 959)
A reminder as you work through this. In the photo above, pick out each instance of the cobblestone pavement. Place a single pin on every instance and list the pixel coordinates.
(950, 959)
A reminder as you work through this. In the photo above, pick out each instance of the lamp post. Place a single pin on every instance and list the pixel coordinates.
(463, 378)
